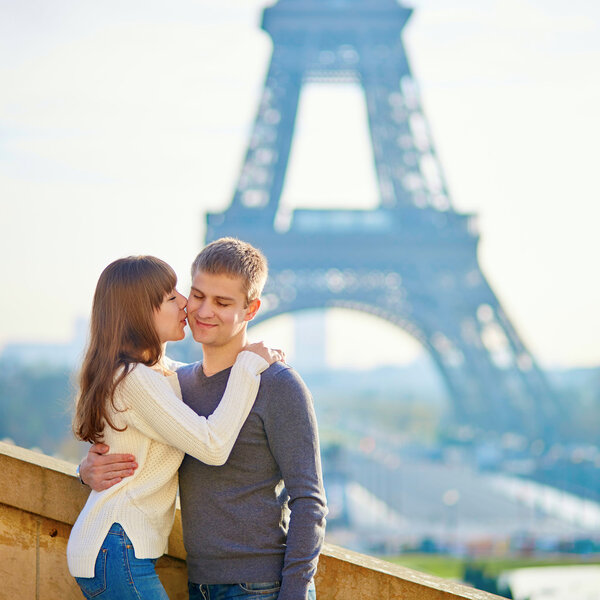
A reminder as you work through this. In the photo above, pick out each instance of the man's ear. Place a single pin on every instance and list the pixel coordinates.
(252, 309)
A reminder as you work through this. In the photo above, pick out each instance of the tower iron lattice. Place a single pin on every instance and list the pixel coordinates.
(411, 261)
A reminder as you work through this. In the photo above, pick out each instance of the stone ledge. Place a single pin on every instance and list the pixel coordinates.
(40, 484)
(385, 580)
(46, 488)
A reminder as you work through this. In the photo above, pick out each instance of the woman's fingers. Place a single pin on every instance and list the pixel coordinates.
(271, 355)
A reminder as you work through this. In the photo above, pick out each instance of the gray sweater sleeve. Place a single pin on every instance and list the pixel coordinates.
(291, 429)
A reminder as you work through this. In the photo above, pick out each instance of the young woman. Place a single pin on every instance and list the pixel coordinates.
(129, 398)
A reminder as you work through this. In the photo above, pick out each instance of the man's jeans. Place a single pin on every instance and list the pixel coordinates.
(240, 591)
(119, 575)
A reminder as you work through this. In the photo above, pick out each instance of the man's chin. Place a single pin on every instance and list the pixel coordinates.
(200, 337)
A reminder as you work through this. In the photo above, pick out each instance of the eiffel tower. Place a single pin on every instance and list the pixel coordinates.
(413, 260)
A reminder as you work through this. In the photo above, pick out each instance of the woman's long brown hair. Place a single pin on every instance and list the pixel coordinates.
(121, 333)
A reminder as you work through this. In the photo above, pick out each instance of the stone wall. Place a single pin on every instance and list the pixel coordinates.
(40, 499)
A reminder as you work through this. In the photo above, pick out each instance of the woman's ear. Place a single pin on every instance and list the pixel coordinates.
(252, 309)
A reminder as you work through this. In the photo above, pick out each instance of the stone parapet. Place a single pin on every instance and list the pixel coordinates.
(40, 499)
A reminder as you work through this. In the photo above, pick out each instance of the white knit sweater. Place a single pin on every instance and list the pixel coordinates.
(160, 429)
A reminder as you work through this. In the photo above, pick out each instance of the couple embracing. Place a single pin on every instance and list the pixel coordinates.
(242, 445)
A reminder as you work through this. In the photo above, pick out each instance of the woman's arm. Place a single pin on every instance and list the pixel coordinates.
(158, 413)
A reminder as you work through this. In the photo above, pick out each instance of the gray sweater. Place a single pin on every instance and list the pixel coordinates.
(240, 523)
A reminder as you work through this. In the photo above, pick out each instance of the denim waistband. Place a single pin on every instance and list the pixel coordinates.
(116, 529)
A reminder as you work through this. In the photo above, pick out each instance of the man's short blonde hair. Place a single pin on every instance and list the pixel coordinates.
(233, 257)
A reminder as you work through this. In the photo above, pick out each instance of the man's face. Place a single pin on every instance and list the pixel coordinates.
(217, 310)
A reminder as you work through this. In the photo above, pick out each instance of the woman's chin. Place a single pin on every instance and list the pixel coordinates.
(177, 338)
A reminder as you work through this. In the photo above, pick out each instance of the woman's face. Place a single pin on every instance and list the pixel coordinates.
(170, 317)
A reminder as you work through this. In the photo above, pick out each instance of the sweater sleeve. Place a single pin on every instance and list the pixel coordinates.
(157, 412)
(291, 428)
(173, 365)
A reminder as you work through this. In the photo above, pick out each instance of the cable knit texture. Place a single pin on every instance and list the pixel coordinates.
(160, 429)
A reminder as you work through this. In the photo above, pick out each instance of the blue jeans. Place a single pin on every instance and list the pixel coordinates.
(240, 591)
(119, 575)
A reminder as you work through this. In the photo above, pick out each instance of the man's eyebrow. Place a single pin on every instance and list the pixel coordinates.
(219, 297)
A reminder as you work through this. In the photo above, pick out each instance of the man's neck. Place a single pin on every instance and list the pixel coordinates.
(219, 358)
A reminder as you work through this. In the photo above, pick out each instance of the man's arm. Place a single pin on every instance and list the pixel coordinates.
(291, 429)
(100, 470)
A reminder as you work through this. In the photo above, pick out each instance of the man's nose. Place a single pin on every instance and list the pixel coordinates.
(203, 310)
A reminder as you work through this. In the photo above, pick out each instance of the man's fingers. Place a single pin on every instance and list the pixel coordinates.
(114, 473)
(115, 459)
(110, 483)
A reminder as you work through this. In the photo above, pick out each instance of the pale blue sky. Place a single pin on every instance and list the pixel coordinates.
(123, 122)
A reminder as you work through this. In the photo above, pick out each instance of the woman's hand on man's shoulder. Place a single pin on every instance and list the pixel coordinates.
(271, 355)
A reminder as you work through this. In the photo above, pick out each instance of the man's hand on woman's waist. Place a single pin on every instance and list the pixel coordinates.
(100, 470)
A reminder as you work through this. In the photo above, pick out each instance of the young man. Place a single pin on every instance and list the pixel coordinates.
(254, 526)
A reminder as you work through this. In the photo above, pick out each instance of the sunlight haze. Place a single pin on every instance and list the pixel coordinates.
(122, 124)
